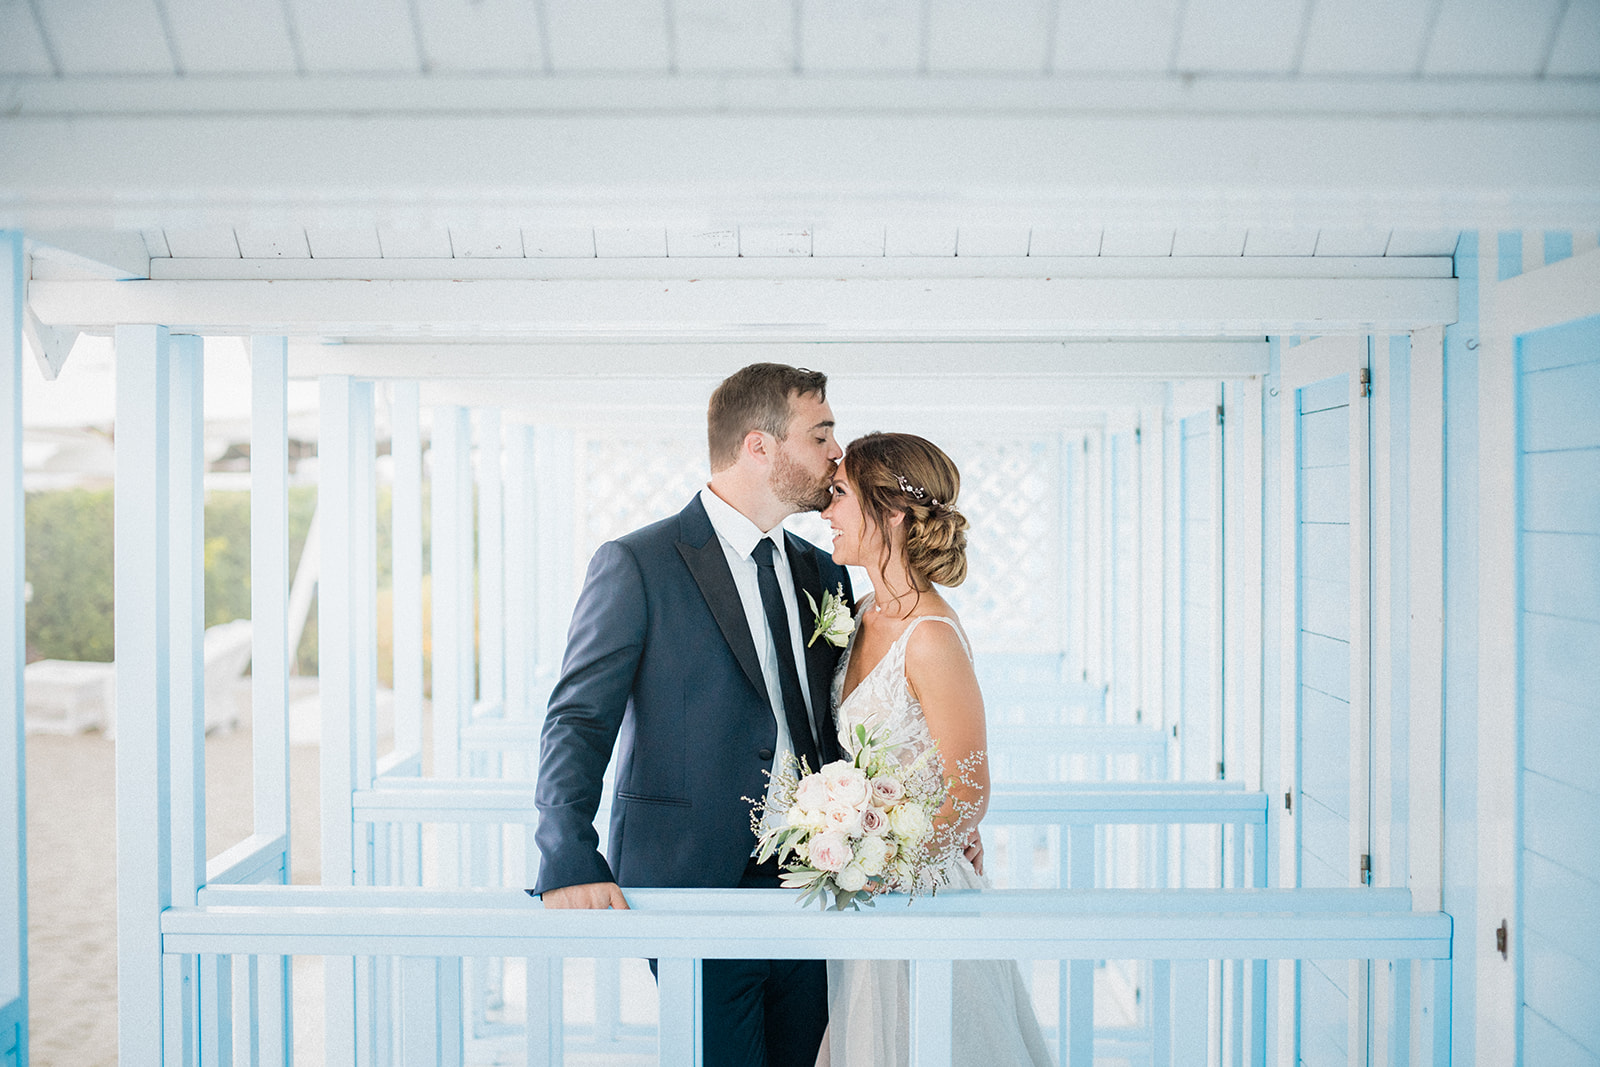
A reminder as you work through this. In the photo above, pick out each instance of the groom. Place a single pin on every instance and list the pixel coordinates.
(688, 653)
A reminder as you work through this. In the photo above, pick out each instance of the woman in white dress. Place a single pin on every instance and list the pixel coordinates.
(908, 669)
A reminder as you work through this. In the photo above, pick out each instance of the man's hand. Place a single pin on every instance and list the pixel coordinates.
(595, 896)
(974, 851)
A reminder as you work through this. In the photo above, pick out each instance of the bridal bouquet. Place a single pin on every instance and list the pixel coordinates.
(858, 827)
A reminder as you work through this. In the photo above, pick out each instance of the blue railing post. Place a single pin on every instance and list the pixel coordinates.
(13, 762)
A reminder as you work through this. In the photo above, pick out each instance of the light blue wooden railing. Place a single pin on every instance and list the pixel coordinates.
(425, 933)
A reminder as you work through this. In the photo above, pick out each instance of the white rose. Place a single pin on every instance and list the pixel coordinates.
(812, 792)
(829, 852)
(886, 791)
(848, 787)
(842, 818)
(851, 878)
(871, 855)
(909, 821)
(810, 818)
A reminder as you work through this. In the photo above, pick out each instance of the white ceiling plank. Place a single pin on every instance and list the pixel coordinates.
(836, 239)
(478, 242)
(992, 241)
(366, 36)
(919, 239)
(702, 241)
(1577, 50)
(819, 309)
(281, 242)
(1480, 37)
(205, 242)
(253, 37)
(155, 243)
(106, 36)
(558, 242)
(772, 241)
(1000, 35)
(22, 48)
(860, 35)
(1131, 36)
(1073, 241)
(630, 241)
(1285, 241)
(1208, 241)
(120, 254)
(355, 242)
(480, 35)
(1352, 241)
(1240, 36)
(618, 35)
(1136, 241)
(1365, 37)
(734, 35)
(415, 242)
(1422, 243)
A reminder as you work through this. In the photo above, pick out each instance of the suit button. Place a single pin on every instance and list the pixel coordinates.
(764, 754)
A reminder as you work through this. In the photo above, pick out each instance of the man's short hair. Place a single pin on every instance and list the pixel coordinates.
(756, 398)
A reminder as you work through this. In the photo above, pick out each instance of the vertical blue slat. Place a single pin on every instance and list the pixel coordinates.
(1557, 246)
(144, 870)
(680, 1027)
(13, 763)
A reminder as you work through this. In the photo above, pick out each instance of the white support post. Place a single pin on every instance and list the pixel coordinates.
(405, 524)
(520, 860)
(13, 762)
(557, 571)
(336, 606)
(545, 1025)
(364, 657)
(144, 814)
(1095, 479)
(1191, 1014)
(1077, 976)
(1360, 844)
(452, 645)
(270, 653)
(491, 561)
(1152, 524)
(682, 1041)
(932, 986)
(1381, 805)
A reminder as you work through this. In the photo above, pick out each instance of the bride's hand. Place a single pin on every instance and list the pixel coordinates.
(974, 850)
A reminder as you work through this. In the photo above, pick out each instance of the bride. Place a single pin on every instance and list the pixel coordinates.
(893, 512)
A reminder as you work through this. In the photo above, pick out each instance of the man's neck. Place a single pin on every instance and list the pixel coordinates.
(754, 502)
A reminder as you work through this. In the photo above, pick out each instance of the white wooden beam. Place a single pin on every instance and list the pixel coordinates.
(13, 764)
(968, 309)
(1162, 167)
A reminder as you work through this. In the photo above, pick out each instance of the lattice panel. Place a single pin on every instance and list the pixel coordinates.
(624, 483)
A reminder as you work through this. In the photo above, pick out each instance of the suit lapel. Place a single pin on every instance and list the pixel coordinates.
(821, 657)
(709, 567)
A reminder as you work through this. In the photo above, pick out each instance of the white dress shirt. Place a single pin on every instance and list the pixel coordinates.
(738, 536)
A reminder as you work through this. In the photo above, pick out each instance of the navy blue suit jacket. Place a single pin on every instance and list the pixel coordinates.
(661, 665)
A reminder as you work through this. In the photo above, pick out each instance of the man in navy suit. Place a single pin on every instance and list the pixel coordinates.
(688, 654)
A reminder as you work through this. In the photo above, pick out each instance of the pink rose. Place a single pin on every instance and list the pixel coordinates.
(886, 791)
(829, 852)
(874, 822)
(843, 818)
(812, 792)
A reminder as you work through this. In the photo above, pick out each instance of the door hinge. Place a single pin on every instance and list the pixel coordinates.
(1222, 772)
(1220, 414)
(1500, 937)
(1174, 729)
(1366, 869)
(1366, 381)
(1138, 434)
(1288, 801)
(1138, 715)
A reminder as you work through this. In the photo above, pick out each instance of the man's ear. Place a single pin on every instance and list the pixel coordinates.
(755, 445)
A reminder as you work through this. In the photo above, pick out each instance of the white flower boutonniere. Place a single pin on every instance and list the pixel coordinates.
(834, 623)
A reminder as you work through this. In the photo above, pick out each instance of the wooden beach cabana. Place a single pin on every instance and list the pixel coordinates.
(1268, 337)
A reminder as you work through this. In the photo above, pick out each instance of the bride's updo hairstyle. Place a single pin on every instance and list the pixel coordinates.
(903, 472)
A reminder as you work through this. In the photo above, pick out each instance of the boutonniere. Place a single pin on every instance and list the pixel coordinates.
(834, 622)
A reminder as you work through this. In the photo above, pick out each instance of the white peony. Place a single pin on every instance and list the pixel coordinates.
(851, 878)
(812, 792)
(871, 855)
(848, 787)
(843, 818)
(909, 822)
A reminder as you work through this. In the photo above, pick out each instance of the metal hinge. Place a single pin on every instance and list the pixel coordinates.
(1138, 715)
(1222, 772)
(1174, 729)
(1500, 937)
(1288, 801)
(1366, 381)
(1138, 434)
(1219, 414)
(1366, 869)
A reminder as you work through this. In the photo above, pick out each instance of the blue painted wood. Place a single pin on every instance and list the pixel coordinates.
(1549, 504)
(1325, 834)
(1562, 988)
(1509, 250)
(1559, 346)
(1562, 905)
(1325, 750)
(1560, 408)
(1325, 494)
(1557, 246)
(1325, 438)
(1559, 740)
(1542, 1042)
(1561, 658)
(13, 655)
(1561, 823)
(1325, 665)
(1325, 551)
(1561, 575)
(1325, 606)
(144, 835)
(1329, 393)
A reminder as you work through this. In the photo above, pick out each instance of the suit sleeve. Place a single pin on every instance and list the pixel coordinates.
(604, 646)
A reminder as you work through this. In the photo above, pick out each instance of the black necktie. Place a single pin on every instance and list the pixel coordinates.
(794, 701)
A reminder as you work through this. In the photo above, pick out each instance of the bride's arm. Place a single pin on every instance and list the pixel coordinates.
(941, 678)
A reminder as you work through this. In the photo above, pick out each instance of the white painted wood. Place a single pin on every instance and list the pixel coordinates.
(932, 985)
(1212, 241)
(1380, 831)
(702, 241)
(355, 242)
(1005, 35)
(555, 588)
(285, 242)
(919, 239)
(376, 36)
(13, 636)
(1422, 242)
(406, 540)
(1265, 241)
(733, 35)
(364, 576)
(845, 35)
(1364, 37)
(1136, 241)
(1478, 37)
(1585, 241)
(253, 38)
(931, 310)
(22, 47)
(763, 241)
(1574, 54)
(623, 242)
(155, 243)
(1425, 595)
(485, 35)
(1070, 241)
(491, 573)
(414, 241)
(1096, 650)
(144, 834)
(498, 242)
(1559, 293)
(1532, 251)
(992, 241)
(1252, 36)
(87, 37)
(1357, 1029)
(573, 242)
(610, 35)
(1125, 38)
(1243, 494)
(681, 1038)
(210, 242)
(1151, 587)
(115, 254)
(186, 616)
(1352, 241)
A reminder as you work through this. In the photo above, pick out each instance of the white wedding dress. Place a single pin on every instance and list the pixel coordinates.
(868, 1000)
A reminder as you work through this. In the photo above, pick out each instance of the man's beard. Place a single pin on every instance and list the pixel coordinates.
(793, 485)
